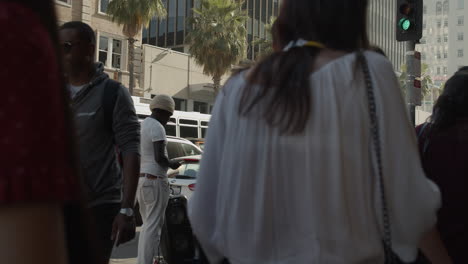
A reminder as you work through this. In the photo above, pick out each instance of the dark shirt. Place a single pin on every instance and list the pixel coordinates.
(445, 161)
(99, 167)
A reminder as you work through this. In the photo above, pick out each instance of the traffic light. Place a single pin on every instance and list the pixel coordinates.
(409, 20)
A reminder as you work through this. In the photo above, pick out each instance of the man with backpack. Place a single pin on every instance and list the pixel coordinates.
(106, 124)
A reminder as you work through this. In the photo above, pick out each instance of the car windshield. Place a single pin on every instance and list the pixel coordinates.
(188, 171)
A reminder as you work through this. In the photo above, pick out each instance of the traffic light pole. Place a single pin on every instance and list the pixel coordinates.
(410, 46)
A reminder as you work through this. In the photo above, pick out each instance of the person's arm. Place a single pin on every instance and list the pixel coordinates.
(160, 157)
(434, 249)
(127, 137)
(131, 170)
(32, 234)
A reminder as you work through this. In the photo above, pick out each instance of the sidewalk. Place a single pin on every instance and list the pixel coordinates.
(127, 253)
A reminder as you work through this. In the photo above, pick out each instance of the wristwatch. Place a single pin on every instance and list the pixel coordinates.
(126, 211)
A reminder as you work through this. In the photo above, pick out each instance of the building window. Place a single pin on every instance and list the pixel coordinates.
(461, 21)
(200, 107)
(461, 4)
(445, 55)
(67, 2)
(180, 104)
(439, 56)
(445, 38)
(445, 70)
(103, 49)
(460, 53)
(110, 52)
(103, 4)
(446, 7)
(438, 8)
(446, 22)
(460, 36)
(438, 70)
(439, 23)
(116, 53)
(439, 39)
(423, 56)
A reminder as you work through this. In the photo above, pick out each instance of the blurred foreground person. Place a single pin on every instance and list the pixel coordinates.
(41, 218)
(310, 156)
(443, 144)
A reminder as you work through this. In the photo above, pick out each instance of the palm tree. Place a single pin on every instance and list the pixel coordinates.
(266, 44)
(133, 15)
(218, 38)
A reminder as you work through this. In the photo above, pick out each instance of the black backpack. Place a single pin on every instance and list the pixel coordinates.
(109, 99)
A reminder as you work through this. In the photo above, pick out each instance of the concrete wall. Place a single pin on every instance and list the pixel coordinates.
(422, 116)
(175, 74)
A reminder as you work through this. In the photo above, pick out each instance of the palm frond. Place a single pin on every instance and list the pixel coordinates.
(135, 13)
(218, 39)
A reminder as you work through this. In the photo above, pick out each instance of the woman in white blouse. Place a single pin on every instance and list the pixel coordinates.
(287, 174)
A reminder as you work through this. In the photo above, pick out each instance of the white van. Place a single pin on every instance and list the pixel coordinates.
(182, 124)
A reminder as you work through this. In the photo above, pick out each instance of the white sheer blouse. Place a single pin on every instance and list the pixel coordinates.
(312, 198)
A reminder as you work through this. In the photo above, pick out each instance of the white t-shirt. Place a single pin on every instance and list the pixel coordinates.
(75, 89)
(152, 131)
(263, 197)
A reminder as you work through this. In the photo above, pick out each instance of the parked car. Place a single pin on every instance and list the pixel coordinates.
(183, 180)
(200, 142)
(179, 147)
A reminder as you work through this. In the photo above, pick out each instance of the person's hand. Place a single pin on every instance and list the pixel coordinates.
(123, 229)
(175, 164)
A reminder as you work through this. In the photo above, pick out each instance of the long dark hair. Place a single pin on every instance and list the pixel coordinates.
(281, 80)
(452, 105)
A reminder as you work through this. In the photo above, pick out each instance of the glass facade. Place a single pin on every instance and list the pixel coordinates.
(171, 31)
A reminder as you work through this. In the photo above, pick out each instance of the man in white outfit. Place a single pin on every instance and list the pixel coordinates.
(153, 187)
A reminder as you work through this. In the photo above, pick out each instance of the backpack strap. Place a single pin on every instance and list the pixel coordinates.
(423, 137)
(109, 98)
(421, 131)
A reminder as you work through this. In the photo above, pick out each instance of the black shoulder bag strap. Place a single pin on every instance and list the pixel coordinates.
(390, 256)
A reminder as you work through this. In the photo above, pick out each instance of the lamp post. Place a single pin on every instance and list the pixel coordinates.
(159, 57)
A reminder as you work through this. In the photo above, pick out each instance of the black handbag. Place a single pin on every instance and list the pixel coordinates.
(390, 256)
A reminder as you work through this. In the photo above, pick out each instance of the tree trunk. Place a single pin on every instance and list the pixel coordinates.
(131, 64)
(216, 84)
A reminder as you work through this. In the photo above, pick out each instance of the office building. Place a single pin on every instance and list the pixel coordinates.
(170, 32)
(382, 30)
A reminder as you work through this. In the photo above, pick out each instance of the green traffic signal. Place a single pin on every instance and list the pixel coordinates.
(405, 24)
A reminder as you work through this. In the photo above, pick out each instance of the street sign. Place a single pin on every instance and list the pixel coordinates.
(413, 82)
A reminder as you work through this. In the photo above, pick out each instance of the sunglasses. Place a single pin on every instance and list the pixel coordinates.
(67, 46)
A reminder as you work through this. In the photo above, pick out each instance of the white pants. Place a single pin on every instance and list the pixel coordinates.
(153, 196)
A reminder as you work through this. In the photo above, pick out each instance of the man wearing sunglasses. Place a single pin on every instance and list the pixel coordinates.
(99, 130)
